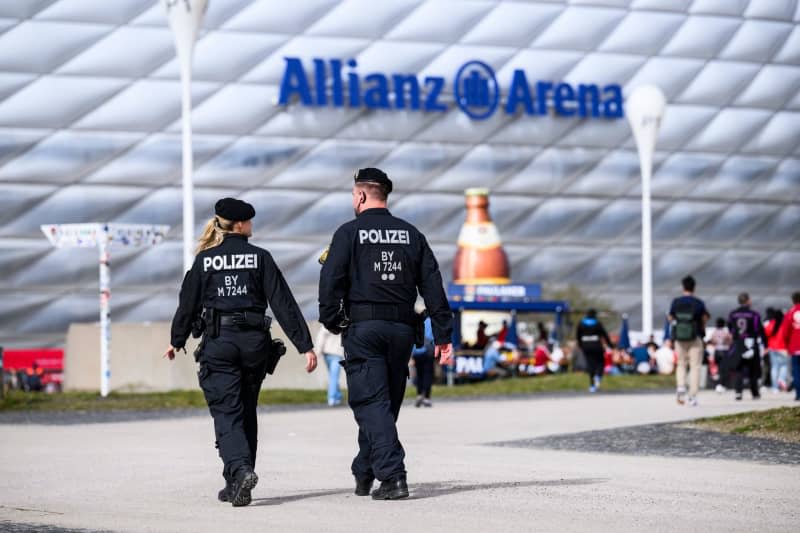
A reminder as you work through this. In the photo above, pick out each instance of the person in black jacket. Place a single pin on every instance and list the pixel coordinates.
(232, 283)
(369, 281)
(590, 335)
(745, 325)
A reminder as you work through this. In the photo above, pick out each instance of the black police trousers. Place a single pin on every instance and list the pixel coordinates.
(377, 353)
(232, 368)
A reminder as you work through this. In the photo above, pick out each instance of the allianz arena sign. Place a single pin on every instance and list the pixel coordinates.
(475, 88)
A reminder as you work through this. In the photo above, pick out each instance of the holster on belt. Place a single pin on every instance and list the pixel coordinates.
(198, 328)
(275, 350)
(207, 324)
(211, 318)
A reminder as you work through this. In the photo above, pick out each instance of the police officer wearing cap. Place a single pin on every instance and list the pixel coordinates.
(232, 283)
(368, 285)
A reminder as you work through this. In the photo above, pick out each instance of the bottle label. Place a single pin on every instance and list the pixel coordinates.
(481, 236)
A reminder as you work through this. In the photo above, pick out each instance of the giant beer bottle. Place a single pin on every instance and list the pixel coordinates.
(480, 258)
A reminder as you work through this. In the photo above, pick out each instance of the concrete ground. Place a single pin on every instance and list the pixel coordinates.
(163, 475)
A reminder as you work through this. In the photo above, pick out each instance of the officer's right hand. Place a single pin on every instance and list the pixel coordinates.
(170, 353)
(311, 361)
(444, 352)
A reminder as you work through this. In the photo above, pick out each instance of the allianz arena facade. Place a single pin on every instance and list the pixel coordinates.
(90, 132)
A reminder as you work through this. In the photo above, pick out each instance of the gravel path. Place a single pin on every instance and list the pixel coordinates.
(670, 440)
(20, 527)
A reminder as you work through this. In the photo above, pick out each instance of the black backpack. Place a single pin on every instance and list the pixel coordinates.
(685, 326)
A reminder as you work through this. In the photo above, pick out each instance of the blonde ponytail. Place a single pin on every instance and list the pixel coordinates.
(213, 233)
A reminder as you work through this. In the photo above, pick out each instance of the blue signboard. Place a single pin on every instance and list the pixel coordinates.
(476, 91)
(514, 292)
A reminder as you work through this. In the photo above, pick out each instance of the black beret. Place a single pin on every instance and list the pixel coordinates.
(233, 209)
(374, 175)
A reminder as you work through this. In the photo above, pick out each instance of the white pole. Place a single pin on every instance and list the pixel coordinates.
(185, 18)
(188, 159)
(105, 308)
(645, 107)
(647, 253)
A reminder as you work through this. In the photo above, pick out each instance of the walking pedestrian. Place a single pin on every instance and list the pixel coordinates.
(330, 345)
(746, 329)
(688, 316)
(721, 340)
(226, 294)
(790, 331)
(368, 285)
(591, 335)
(778, 355)
(424, 364)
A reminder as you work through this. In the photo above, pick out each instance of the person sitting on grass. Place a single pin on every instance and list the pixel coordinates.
(493, 360)
(541, 356)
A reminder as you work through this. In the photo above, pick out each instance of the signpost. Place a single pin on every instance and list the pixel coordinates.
(102, 237)
(645, 107)
(185, 18)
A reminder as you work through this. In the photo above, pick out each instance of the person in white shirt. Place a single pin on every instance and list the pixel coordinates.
(665, 358)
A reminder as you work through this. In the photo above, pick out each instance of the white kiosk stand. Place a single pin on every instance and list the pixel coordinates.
(102, 236)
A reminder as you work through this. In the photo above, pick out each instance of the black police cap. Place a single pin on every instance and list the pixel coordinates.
(374, 175)
(233, 209)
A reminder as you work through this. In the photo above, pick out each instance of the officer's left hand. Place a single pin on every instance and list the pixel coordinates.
(170, 353)
(311, 361)
(445, 354)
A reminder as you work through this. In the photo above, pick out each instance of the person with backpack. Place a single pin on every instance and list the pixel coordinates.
(688, 316)
(746, 328)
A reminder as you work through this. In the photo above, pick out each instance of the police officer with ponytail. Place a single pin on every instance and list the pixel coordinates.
(230, 285)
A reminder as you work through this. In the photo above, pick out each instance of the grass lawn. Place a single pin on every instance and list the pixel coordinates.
(574, 382)
(89, 401)
(782, 424)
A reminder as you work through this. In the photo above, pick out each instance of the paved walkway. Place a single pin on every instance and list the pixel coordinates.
(163, 475)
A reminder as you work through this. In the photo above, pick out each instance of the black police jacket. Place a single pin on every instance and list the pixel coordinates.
(237, 276)
(380, 259)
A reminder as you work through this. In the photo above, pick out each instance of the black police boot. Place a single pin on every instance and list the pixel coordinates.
(363, 486)
(224, 495)
(391, 489)
(245, 481)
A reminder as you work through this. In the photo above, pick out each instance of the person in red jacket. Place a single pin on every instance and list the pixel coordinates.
(790, 331)
(778, 358)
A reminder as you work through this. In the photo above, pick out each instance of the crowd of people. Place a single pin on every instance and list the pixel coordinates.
(742, 349)
(738, 351)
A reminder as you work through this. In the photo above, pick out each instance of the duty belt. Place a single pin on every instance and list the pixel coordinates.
(227, 320)
(391, 313)
(233, 319)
